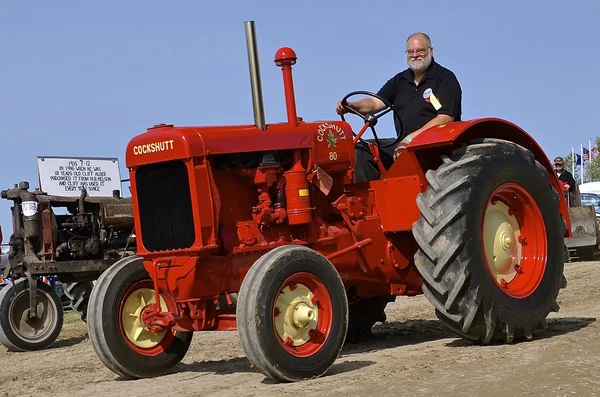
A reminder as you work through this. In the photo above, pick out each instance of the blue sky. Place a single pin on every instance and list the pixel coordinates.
(82, 78)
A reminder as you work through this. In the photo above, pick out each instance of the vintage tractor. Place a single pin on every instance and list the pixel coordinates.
(469, 214)
(75, 247)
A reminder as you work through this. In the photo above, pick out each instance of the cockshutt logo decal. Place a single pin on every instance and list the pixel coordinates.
(330, 133)
(153, 147)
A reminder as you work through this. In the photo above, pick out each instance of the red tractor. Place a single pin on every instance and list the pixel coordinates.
(470, 214)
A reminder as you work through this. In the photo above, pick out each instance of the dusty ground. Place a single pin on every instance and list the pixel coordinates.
(412, 354)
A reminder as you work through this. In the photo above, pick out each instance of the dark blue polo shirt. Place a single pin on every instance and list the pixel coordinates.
(415, 104)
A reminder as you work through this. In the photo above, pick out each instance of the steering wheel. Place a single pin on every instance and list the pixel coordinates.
(372, 118)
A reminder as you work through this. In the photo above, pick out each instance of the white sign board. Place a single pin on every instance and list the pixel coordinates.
(64, 176)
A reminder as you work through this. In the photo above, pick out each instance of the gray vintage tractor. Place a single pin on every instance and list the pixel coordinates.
(75, 247)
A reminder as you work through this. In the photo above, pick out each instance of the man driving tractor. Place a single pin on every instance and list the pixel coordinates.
(425, 94)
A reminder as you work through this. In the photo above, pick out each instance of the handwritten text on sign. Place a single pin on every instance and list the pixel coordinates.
(67, 176)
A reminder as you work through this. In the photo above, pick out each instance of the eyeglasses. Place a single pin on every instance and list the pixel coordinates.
(419, 51)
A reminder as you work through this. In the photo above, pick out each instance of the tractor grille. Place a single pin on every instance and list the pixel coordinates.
(165, 206)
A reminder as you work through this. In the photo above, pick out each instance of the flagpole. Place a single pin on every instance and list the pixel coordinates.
(574, 159)
(582, 161)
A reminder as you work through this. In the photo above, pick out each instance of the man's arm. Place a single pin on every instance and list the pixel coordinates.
(371, 104)
(364, 106)
(437, 120)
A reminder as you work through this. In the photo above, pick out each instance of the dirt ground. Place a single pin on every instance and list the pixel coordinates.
(411, 354)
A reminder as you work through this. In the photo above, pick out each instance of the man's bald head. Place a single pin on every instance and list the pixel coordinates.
(419, 52)
(420, 37)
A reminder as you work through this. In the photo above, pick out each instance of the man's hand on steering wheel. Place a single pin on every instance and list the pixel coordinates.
(340, 109)
(370, 119)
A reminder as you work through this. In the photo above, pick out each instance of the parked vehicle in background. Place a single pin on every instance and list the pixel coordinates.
(591, 199)
(590, 187)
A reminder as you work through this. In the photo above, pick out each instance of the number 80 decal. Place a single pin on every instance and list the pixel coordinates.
(330, 133)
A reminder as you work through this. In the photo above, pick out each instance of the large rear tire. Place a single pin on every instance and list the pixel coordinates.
(116, 330)
(79, 295)
(488, 208)
(18, 331)
(292, 314)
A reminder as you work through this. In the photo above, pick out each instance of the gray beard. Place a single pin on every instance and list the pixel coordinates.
(420, 65)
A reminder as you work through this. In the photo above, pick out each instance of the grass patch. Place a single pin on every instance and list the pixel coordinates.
(71, 317)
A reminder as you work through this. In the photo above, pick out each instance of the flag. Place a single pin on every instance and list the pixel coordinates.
(586, 154)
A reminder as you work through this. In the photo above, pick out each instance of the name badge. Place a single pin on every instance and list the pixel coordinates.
(435, 102)
(431, 98)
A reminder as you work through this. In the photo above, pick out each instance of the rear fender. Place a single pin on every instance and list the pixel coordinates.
(424, 151)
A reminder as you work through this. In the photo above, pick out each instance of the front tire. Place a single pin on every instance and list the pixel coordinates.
(491, 242)
(292, 314)
(19, 332)
(116, 331)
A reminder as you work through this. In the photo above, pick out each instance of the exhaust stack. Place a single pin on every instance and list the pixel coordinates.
(255, 84)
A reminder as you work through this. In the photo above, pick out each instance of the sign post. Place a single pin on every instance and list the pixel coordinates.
(66, 176)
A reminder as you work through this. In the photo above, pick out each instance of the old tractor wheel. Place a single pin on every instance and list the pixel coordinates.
(491, 243)
(292, 314)
(18, 330)
(119, 337)
(79, 295)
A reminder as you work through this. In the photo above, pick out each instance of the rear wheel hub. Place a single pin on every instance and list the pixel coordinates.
(514, 240)
(501, 233)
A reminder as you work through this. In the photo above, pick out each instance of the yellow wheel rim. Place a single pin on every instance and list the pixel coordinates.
(296, 315)
(131, 318)
(501, 234)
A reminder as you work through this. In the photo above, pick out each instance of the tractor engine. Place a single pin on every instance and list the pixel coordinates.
(278, 179)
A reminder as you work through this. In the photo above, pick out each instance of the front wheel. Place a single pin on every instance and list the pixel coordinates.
(18, 330)
(117, 333)
(292, 314)
(491, 242)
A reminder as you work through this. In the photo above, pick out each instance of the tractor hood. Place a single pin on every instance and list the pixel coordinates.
(166, 142)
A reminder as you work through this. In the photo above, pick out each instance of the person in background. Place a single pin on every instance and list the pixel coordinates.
(567, 178)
